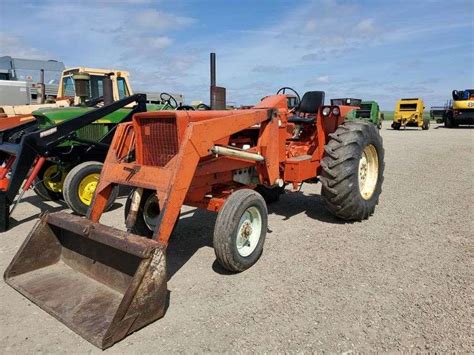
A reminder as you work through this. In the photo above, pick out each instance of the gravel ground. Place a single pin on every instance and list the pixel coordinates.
(401, 281)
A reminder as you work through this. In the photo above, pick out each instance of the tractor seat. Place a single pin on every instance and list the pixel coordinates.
(309, 105)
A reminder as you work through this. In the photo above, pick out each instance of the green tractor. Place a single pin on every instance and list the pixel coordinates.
(67, 166)
(74, 180)
(367, 111)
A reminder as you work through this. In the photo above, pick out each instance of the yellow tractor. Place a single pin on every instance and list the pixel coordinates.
(409, 113)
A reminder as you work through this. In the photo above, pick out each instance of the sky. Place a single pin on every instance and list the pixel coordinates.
(374, 50)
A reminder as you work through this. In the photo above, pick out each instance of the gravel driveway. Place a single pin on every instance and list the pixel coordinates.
(401, 281)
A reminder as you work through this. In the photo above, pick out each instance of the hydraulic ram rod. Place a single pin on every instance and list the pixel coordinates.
(233, 152)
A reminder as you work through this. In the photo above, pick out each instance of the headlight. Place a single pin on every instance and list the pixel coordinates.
(326, 111)
(336, 111)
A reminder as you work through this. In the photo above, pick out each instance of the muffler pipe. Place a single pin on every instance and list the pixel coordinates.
(237, 153)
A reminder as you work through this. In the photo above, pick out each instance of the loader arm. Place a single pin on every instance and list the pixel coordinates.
(172, 180)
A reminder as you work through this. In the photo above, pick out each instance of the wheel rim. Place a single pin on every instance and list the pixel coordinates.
(368, 171)
(49, 174)
(87, 188)
(151, 211)
(249, 231)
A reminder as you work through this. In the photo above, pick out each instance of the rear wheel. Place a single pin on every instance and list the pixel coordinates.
(50, 181)
(80, 185)
(352, 171)
(240, 230)
(426, 124)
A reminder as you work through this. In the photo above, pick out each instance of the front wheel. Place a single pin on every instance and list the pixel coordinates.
(352, 171)
(396, 125)
(80, 185)
(147, 215)
(240, 230)
(449, 121)
(49, 183)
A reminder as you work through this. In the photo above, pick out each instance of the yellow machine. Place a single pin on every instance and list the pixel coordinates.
(409, 113)
(67, 94)
(461, 110)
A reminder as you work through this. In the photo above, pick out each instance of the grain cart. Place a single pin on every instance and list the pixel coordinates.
(104, 283)
(368, 110)
(409, 113)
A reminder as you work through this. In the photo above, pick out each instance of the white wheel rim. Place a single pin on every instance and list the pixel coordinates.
(151, 211)
(249, 231)
(368, 171)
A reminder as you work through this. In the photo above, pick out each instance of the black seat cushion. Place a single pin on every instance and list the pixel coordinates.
(311, 102)
(298, 119)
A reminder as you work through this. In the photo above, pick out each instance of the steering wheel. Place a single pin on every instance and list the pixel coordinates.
(185, 108)
(169, 100)
(283, 91)
(202, 107)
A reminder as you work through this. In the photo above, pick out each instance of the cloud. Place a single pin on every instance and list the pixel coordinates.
(14, 46)
(269, 69)
(322, 79)
(366, 27)
(159, 21)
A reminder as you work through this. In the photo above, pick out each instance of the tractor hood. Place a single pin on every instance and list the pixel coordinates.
(53, 116)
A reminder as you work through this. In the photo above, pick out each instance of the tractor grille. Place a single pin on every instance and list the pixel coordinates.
(92, 132)
(159, 141)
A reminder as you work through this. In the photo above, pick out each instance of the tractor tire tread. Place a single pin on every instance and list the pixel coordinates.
(340, 188)
(228, 220)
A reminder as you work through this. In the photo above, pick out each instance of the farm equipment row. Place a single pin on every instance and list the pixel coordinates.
(104, 283)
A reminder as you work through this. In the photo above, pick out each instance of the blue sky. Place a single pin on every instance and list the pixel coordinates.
(380, 50)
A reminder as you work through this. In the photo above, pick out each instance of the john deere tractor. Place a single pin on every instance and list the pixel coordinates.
(409, 113)
(368, 111)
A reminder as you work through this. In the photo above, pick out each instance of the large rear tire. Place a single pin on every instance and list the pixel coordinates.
(240, 230)
(352, 171)
(80, 184)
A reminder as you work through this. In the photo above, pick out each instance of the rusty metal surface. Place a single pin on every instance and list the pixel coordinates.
(100, 282)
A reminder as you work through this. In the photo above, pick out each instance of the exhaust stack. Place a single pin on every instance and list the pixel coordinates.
(218, 94)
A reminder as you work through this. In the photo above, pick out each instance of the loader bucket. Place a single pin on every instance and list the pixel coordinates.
(101, 282)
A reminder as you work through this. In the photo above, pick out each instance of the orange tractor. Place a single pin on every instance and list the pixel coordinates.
(105, 283)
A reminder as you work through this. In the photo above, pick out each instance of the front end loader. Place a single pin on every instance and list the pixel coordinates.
(104, 283)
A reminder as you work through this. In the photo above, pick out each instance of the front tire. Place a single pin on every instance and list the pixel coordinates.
(49, 183)
(352, 171)
(80, 184)
(449, 121)
(396, 125)
(240, 230)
